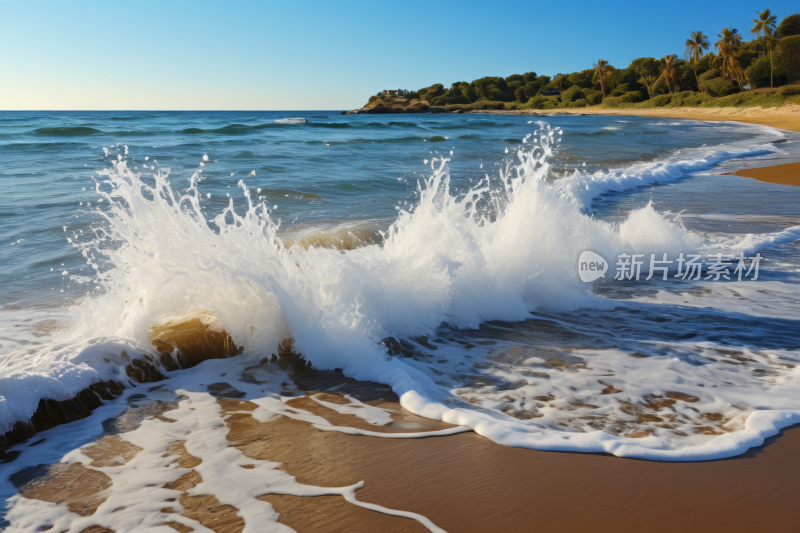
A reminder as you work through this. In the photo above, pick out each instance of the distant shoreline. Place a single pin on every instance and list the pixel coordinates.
(786, 117)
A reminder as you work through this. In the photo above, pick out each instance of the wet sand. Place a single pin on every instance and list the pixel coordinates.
(782, 174)
(466, 483)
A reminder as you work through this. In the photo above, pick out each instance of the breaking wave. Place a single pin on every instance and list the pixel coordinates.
(291, 121)
(498, 250)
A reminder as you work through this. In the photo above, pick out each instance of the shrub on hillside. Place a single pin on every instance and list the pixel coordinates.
(717, 87)
(532, 88)
(788, 55)
(430, 93)
(620, 89)
(572, 94)
(696, 99)
(661, 100)
(634, 96)
(630, 97)
(614, 101)
(593, 96)
(738, 98)
(513, 85)
(790, 26)
(789, 90)
(489, 105)
(758, 73)
(709, 74)
(687, 98)
(495, 94)
(537, 102)
(449, 100)
(581, 102)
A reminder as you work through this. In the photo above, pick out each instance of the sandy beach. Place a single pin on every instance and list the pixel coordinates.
(782, 174)
(786, 117)
(459, 482)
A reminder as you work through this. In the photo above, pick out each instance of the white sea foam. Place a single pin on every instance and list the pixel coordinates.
(495, 252)
(585, 187)
(137, 499)
(771, 299)
(566, 407)
(291, 121)
(752, 243)
(373, 415)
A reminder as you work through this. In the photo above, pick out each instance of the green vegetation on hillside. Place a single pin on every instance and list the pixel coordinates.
(709, 75)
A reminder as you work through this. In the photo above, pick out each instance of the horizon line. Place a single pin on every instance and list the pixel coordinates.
(156, 110)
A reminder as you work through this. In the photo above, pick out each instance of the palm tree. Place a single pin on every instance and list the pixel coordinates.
(728, 46)
(601, 66)
(648, 81)
(695, 46)
(670, 72)
(765, 23)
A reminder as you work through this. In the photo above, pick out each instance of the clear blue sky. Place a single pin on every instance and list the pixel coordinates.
(319, 55)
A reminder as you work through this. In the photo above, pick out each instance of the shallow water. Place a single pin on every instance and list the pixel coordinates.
(455, 282)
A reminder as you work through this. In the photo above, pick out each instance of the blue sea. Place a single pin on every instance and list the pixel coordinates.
(436, 255)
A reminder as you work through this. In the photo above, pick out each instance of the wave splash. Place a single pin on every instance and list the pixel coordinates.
(505, 247)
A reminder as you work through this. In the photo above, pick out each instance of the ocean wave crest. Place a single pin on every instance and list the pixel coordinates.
(67, 131)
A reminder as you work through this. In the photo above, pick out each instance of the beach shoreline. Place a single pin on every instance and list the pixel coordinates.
(785, 117)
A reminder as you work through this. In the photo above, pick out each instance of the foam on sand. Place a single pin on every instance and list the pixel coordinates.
(142, 487)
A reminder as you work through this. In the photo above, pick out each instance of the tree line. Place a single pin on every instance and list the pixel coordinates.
(771, 58)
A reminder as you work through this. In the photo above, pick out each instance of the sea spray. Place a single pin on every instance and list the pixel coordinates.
(498, 251)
